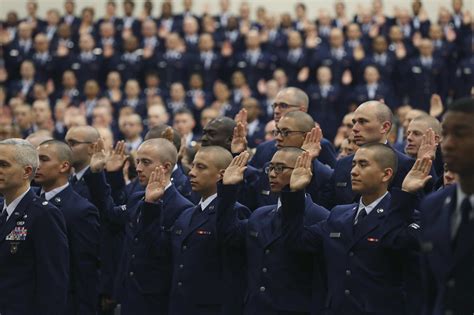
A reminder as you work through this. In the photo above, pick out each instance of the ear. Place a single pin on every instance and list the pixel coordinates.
(167, 167)
(386, 126)
(65, 167)
(28, 172)
(90, 148)
(437, 139)
(221, 174)
(387, 175)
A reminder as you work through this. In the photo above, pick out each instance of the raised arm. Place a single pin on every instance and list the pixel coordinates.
(293, 202)
(229, 226)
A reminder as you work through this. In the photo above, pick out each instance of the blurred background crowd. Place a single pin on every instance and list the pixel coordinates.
(151, 65)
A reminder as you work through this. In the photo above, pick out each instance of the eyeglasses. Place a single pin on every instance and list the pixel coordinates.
(73, 143)
(284, 133)
(277, 168)
(283, 105)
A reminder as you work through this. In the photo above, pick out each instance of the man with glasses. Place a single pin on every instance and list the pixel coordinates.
(288, 100)
(261, 240)
(295, 129)
(82, 140)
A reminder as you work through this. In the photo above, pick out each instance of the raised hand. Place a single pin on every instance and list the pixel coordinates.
(301, 175)
(312, 142)
(428, 145)
(436, 105)
(418, 176)
(234, 173)
(155, 189)
(117, 158)
(99, 157)
(239, 139)
(168, 134)
(241, 116)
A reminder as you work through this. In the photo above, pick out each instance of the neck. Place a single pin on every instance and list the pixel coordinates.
(207, 194)
(467, 183)
(57, 183)
(80, 167)
(370, 197)
(15, 192)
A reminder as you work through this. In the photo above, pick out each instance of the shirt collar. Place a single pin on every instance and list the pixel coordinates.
(50, 194)
(370, 207)
(81, 173)
(205, 203)
(278, 203)
(460, 195)
(12, 206)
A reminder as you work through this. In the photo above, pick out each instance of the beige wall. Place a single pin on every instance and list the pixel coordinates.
(275, 6)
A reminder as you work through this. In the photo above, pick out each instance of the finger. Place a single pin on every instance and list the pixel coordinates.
(246, 157)
(307, 161)
(298, 163)
(319, 134)
(427, 165)
(416, 166)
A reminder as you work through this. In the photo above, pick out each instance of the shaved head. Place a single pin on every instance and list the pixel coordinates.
(384, 156)
(164, 149)
(62, 150)
(298, 96)
(157, 132)
(219, 156)
(218, 132)
(291, 154)
(302, 121)
(430, 122)
(90, 133)
(382, 112)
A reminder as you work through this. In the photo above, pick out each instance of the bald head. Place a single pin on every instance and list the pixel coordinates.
(218, 156)
(38, 137)
(291, 154)
(383, 155)
(430, 122)
(89, 133)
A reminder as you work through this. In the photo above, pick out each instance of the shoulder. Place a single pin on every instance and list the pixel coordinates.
(314, 211)
(266, 145)
(343, 163)
(438, 198)
(243, 211)
(340, 209)
(262, 211)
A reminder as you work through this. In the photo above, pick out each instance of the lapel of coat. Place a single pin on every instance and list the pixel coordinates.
(371, 221)
(17, 214)
(201, 219)
(467, 243)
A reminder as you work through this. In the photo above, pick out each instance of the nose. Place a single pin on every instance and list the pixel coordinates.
(354, 171)
(191, 173)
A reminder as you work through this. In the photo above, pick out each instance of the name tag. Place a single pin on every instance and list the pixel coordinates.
(253, 233)
(335, 235)
(341, 184)
(202, 232)
(178, 232)
(372, 239)
(416, 69)
(426, 247)
(265, 192)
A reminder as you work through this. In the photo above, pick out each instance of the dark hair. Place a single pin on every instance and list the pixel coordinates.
(384, 156)
(465, 105)
(157, 132)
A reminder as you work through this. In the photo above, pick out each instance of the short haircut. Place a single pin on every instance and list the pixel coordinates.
(183, 111)
(432, 123)
(382, 111)
(25, 153)
(384, 156)
(299, 97)
(166, 150)
(304, 122)
(63, 150)
(294, 153)
(221, 157)
(91, 134)
(465, 105)
(224, 124)
(157, 132)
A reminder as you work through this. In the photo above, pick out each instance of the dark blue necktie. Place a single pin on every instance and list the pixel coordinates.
(3, 217)
(362, 214)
